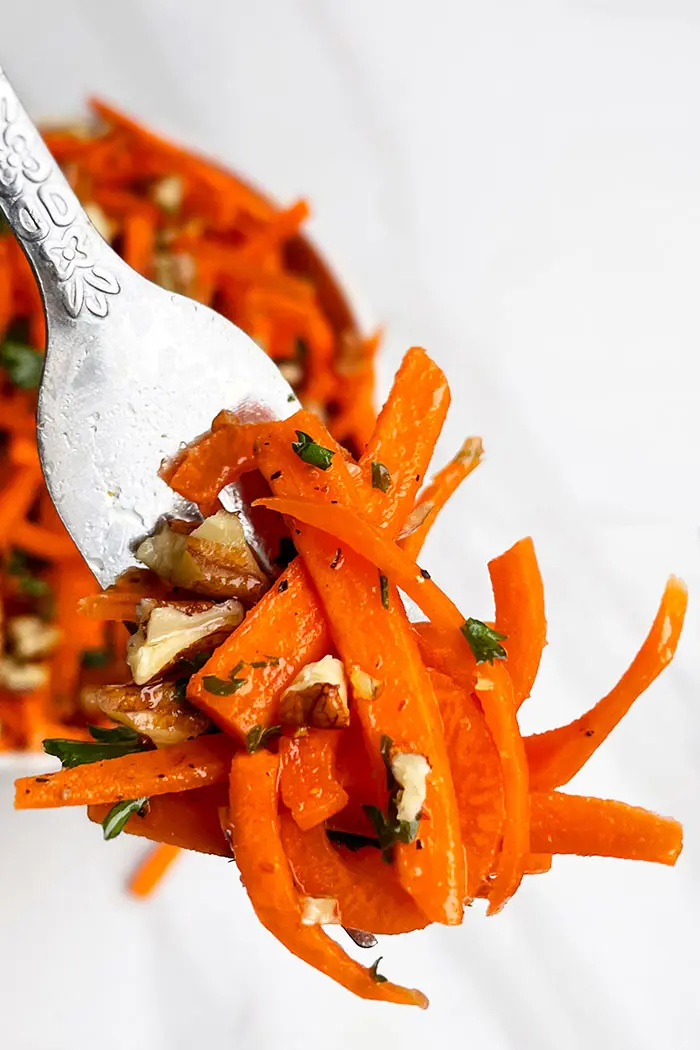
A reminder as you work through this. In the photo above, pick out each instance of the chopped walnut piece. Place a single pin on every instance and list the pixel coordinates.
(156, 711)
(318, 696)
(172, 631)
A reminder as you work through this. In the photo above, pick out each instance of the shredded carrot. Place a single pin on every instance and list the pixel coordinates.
(519, 593)
(435, 495)
(185, 820)
(259, 852)
(603, 828)
(369, 895)
(179, 767)
(152, 868)
(557, 756)
(308, 782)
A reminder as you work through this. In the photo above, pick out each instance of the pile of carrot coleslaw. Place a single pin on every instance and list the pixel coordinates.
(363, 770)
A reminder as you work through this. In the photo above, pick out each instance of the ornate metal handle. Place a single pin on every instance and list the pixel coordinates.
(72, 263)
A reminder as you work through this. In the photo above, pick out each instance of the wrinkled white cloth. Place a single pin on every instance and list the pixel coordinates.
(516, 187)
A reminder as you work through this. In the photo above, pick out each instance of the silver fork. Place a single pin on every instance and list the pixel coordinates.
(132, 371)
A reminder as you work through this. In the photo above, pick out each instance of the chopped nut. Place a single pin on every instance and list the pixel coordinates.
(213, 560)
(173, 631)
(22, 677)
(320, 911)
(410, 773)
(291, 371)
(31, 637)
(153, 710)
(168, 193)
(318, 696)
(363, 685)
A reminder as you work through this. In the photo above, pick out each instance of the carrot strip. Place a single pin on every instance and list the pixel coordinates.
(517, 588)
(376, 642)
(213, 462)
(345, 524)
(180, 767)
(42, 542)
(139, 242)
(285, 631)
(283, 226)
(369, 895)
(110, 605)
(16, 498)
(495, 692)
(557, 756)
(537, 863)
(435, 495)
(603, 828)
(477, 775)
(186, 820)
(419, 393)
(257, 845)
(152, 868)
(308, 782)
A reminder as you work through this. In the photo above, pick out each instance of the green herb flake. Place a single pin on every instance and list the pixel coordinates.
(381, 478)
(23, 364)
(384, 589)
(389, 830)
(116, 819)
(221, 686)
(258, 736)
(105, 744)
(374, 973)
(95, 658)
(312, 453)
(385, 746)
(484, 641)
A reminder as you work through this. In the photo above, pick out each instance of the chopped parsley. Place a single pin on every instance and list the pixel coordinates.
(105, 744)
(114, 822)
(29, 585)
(388, 828)
(374, 973)
(311, 452)
(256, 737)
(484, 642)
(381, 478)
(23, 364)
(384, 590)
(95, 657)
(223, 686)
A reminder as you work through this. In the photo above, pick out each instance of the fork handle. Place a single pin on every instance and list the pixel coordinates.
(74, 267)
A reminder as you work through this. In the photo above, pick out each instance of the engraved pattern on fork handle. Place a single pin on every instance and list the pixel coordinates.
(63, 247)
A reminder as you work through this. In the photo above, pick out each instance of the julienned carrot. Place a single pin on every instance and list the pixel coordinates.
(149, 873)
(139, 242)
(477, 774)
(537, 863)
(308, 782)
(391, 688)
(283, 226)
(186, 820)
(495, 692)
(369, 895)
(42, 542)
(281, 634)
(257, 845)
(346, 525)
(519, 594)
(401, 444)
(110, 605)
(179, 767)
(214, 461)
(16, 497)
(603, 828)
(557, 756)
(435, 495)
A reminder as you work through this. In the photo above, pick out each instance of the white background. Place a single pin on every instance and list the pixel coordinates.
(516, 186)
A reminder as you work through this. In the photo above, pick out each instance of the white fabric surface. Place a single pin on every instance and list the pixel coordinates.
(515, 186)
